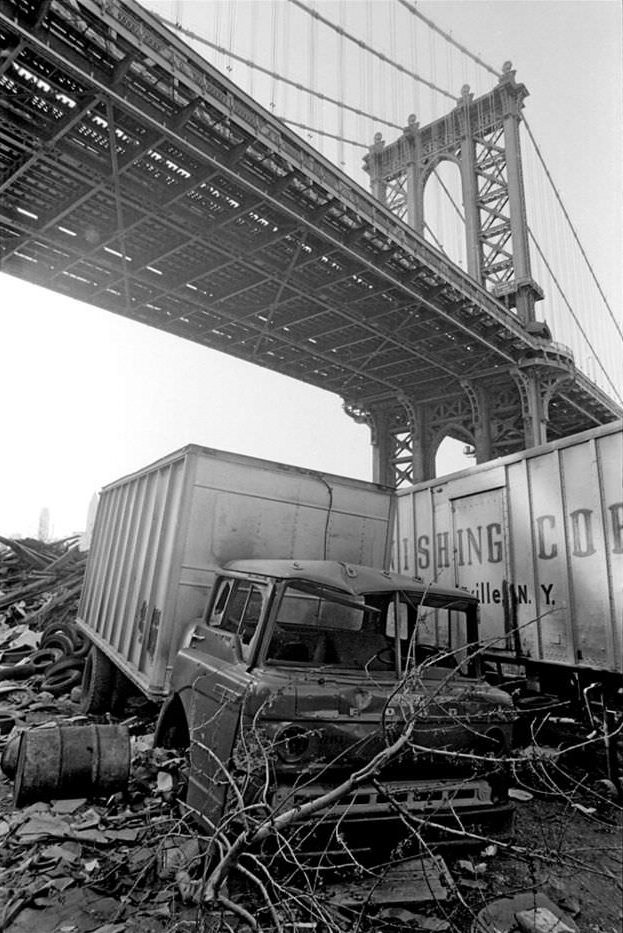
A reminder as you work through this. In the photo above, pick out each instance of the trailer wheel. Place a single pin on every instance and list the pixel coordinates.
(121, 691)
(98, 681)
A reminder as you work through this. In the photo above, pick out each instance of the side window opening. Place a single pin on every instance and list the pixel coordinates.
(238, 609)
(433, 635)
(221, 601)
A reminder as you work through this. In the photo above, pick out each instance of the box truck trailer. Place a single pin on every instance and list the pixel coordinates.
(255, 599)
(537, 537)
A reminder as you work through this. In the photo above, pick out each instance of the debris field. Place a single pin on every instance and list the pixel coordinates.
(132, 858)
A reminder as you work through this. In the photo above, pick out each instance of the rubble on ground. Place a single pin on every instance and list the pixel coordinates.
(39, 581)
(135, 861)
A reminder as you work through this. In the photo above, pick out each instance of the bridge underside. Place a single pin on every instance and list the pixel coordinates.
(136, 178)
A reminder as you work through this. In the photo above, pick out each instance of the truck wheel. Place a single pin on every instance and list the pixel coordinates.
(98, 681)
(121, 690)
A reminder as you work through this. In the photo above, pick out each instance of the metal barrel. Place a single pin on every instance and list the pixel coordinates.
(71, 761)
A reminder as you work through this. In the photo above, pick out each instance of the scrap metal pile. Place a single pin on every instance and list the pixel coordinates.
(40, 586)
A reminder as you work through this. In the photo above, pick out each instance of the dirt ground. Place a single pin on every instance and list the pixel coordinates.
(566, 844)
(573, 856)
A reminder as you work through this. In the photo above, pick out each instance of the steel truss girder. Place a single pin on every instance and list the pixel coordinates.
(490, 417)
(205, 126)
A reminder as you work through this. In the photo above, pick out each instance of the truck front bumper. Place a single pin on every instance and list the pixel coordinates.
(447, 813)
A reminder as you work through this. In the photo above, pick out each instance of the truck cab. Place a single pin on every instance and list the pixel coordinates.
(301, 671)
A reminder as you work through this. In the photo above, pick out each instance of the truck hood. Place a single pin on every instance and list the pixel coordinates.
(343, 722)
(326, 697)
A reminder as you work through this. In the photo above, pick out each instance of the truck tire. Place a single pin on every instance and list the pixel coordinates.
(121, 690)
(98, 681)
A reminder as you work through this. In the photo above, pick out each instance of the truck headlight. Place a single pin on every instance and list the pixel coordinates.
(496, 742)
(293, 743)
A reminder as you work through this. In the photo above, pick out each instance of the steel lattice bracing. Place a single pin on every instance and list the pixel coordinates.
(136, 177)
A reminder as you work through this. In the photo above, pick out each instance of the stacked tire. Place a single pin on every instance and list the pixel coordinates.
(61, 657)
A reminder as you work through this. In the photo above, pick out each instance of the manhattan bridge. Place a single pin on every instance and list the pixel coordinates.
(339, 191)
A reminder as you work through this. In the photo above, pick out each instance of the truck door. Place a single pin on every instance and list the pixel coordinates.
(481, 561)
(218, 690)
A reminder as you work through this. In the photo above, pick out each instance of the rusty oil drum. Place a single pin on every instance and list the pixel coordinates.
(61, 761)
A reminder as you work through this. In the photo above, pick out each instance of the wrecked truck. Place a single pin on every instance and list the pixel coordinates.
(251, 597)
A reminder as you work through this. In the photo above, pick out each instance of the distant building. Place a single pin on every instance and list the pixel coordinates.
(44, 525)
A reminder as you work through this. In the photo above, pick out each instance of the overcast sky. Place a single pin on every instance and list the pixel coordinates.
(88, 396)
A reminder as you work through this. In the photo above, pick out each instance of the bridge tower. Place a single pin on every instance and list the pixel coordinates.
(481, 136)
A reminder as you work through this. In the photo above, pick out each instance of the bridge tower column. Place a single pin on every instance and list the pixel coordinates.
(401, 448)
(512, 103)
(481, 419)
(481, 136)
(383, 447)
(469, 184)
(378, 183)
(532, 407)
(537, 386)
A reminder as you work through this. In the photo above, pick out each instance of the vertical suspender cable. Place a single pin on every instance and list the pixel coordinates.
(341, 90)
(311, 68)
(414, 103)
(273, 59)
(254, 35)
(573, 230)
(232, 8)
(393, 56)
(367, 66)
(285, 56)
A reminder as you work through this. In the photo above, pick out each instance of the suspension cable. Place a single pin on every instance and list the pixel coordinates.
(448, 194)
(571, 227)
(438, 242)
(574, 315)
(368, 48)
(415, 12)
(431, 25)
(313, 129)
(275, 75)
(343, 106)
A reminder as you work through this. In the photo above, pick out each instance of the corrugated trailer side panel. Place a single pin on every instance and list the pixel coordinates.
(589, 618)
(142, 529)
(130, 567)
(551, 592)
(538, 537)
(523, 622)
(156, 613)
(610, 469)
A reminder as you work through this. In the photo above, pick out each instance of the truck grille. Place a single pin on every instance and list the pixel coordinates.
(416, 797)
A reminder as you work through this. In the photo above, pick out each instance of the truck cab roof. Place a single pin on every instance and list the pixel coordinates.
(354, 579)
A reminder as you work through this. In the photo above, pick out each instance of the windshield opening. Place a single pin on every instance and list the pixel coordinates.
(380, 632)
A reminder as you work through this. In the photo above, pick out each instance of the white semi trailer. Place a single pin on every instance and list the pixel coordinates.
(538, 537)
(162, 533)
